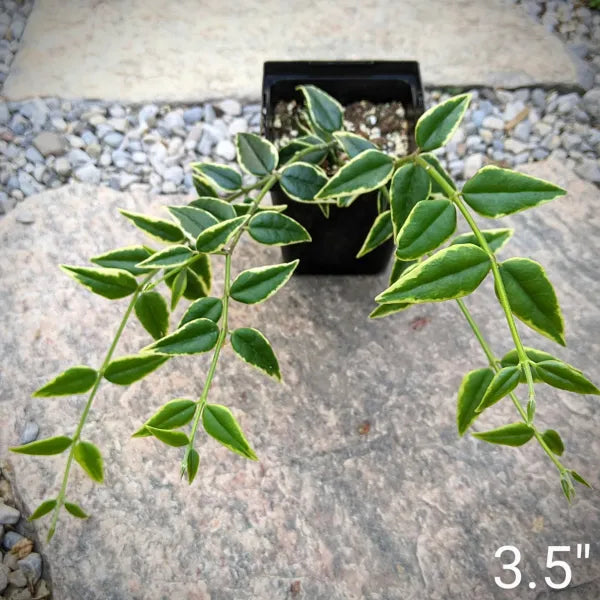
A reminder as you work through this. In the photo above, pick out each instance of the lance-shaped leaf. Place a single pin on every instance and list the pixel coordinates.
(302, 181)
(198, 278)
(175, 413)
(532, 298)
(169, 437)
(399, 268)
(220, 423)
(165, 231)
(43, 509)
(194, 220)
(124, 258)
(437, 165)
(504, 382)
(579, 479)
(353, 144)
(437, 125)
(326, 112)
(495, 238)
(109, 283)
(193, 338)
(381, 231)
(430, 223)
(53, 445)
(75, 510)
(515, 434)
(470, 394)
(215, 237)
(172, 256)
(178, 288)
(512, 357)
(565, 377)
(553, 441)
(410, 185)
(203, 308)
(76, 380)
(274, 229)
(364, 173)
(221, 176)
(255, 155)
(385, 310)
(152, 312)
(192, 464)
(258, 284)
(254, 348)
(203, 187)
(451, 273)
(219, 209)
(244, 208)
(301, 144)
(496, 192)
(90, 460)
(128, 369)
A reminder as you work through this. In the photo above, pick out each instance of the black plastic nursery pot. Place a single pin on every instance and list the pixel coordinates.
(336, 240)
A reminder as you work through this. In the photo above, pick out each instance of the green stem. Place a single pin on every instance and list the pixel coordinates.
(270, 181)
(454, 195)
(63, 488)
(494, 365)
(245, 189)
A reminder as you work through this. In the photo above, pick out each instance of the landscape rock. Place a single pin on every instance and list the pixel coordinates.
(8, 515)
(49, 142)
(589, 170)
(62, 166)
(230, 107)
(31, 566)
(225, 149)
(591, 102)
(473, 163)
(30, 432)
(88, 173)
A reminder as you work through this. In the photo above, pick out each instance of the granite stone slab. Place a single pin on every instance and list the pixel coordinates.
(182, 50)
(399, 509)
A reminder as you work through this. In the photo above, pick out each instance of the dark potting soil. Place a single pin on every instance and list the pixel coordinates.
(383, 124)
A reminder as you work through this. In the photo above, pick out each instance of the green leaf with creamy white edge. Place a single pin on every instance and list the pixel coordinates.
(532, 298)
(258, 284)
(364, 173)
(172, 256)
(353, 144)
(512, 358)
(301, 144)
(47, 447)
(553, 440)
(255, 155)
(399, 267)
(43, 509)
(203, 187)
(75, 510)
(198, 278)
(436, 188)
(126, 259)
(194, 337)
(325, 111)
(274, 229)
(165, 231)
(515, 434)
(302, 181)
(109, 283)
(203, 308)
(194, 220)
(192, 464)
(222, 176)
(565, 377)
(76, 380)
(219, 209)
(152, 312)
(451, 273)
(169, 437)
(215, 237)
(90, 460)
(219, 422)
(495, 238)
(385, 310)
(175, 413)
(244, 208)
(178, 288)
(128, 369)
(470, 394)
(410, 185)
(381, 231)
(254, 348)
(495, 192)
(429, 224)
(504, 382)
(437, 125)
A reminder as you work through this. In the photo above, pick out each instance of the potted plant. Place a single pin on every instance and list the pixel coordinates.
(418, 208)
